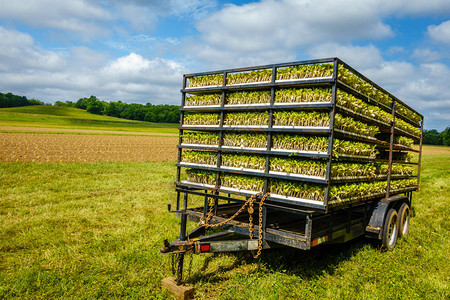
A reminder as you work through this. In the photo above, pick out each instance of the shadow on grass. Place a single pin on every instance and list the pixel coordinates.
(305, 264)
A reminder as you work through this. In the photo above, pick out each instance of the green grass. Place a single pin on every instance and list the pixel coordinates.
(94, 231)
(73, 118)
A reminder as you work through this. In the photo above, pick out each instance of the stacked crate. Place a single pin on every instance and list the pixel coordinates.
(316, 134)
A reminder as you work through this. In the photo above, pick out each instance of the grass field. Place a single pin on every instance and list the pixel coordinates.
(93, 230)
(72, 118)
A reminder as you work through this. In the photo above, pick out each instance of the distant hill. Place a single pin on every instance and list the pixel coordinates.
(67, 117)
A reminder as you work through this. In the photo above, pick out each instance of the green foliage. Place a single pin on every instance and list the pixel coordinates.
(298, 166)
(300, 143)
(353, 148)
(245, 140)
(433, 137)
(303, 95)
(399, 123)
(356, 105)
(404, 141)
(296, 189)
(242, 182)
(256, 162)
(239, 98)
(351, 125)
(200, 138)
(207, 80)
(11, 100)
(248, 77)
(130, 111)
(301, 118)
(206, 99)
(342, 193)
(95, 106)
(199, 157)
(247, 119)
(201, 119)
(200, 176)
(400, 108)
(446, 136)
(305, 71)
(362, 86)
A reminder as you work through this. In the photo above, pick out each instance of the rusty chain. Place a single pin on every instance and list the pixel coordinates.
(250, 201)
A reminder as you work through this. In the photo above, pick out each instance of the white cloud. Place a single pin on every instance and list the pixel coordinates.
(270, 31)
(76, 15)
(440, 33)
(359, 57)
(426, 55)
(28, 70)
(17, 50)
(414, 7)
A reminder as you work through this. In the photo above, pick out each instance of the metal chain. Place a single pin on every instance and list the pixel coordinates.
(260, 240)
(250, 201)
(205, 222)
(190, 267)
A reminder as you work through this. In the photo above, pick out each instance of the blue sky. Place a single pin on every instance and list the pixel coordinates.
(137, 50)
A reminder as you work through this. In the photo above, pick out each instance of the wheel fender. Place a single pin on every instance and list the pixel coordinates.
(376, 221)
(379, 209)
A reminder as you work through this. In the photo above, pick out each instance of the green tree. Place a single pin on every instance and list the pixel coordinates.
(94, 106)
(446, 136)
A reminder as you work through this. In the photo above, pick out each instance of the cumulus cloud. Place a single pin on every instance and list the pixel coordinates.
(28, 70)
(268, 28)
(440, 33)
(426, 55)
(17, 50)
(75, 15)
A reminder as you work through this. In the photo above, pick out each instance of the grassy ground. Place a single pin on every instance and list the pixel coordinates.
(72, 118)
(93, 230)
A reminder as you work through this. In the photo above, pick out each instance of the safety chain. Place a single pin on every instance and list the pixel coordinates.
(260, 239)
(205, 222)
(250, 201)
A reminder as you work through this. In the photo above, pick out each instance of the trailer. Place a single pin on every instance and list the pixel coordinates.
(295, 154)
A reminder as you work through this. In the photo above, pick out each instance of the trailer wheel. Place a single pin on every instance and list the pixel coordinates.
(403, 219)
(390, 230)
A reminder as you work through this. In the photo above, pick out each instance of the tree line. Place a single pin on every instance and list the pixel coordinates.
(11, 100)
(118, 109)
(131, 111)
(159, 113)
(434, 137)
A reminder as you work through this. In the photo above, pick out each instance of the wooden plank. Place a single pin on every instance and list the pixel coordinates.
(179, 292)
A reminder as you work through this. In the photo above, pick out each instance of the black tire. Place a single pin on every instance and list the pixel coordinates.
(404, 215)
(390, 230)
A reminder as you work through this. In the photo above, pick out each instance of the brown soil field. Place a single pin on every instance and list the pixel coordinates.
(434, 150)
(80, 131)
(43, 147)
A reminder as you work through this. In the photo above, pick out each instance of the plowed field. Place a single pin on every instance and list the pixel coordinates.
(85, 148)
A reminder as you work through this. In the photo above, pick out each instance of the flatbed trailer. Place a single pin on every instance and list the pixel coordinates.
(256, 220)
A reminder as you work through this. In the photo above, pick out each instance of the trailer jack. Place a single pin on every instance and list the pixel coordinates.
(206, 244)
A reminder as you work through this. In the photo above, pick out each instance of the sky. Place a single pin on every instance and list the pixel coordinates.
(136, 51)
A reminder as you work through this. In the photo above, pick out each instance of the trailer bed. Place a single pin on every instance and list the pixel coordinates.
(300, 229)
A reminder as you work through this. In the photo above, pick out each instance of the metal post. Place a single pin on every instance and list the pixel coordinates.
(269, 134)
(263, 226)
(420, 153)
(183, 219)
(391, 150)
(331, 136)
(308, 229)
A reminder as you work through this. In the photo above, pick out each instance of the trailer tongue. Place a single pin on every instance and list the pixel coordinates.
(295, 154)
